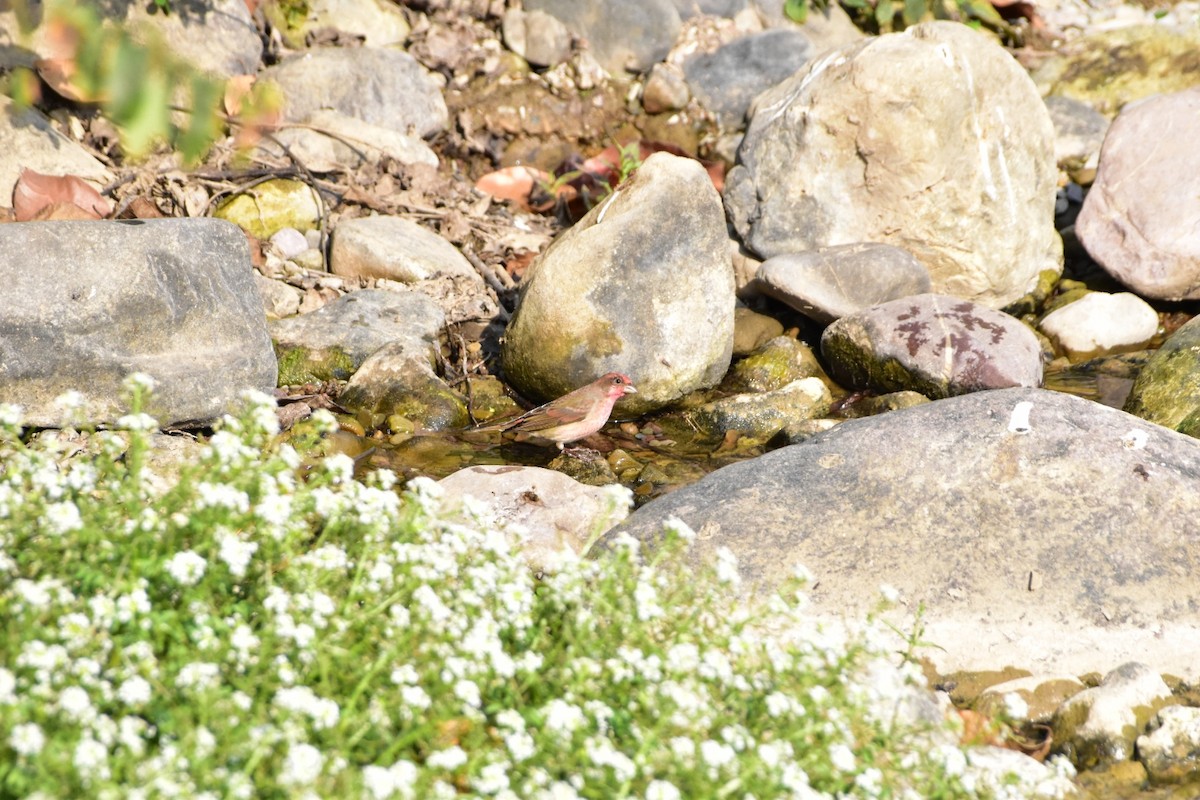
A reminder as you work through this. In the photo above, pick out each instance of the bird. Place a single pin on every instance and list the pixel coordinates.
(573, 416)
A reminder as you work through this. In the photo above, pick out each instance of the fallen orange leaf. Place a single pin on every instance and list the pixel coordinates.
(514, 183)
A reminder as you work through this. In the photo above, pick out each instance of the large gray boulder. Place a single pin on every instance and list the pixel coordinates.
(727, 80)
(85, 304)
(1138, 221)
(1038, 529)
(378, 85)
(623, 35)
(933, 140)
(643, 285)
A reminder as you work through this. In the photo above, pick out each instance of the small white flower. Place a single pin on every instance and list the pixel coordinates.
(1015, 707)
(228, 447)
(187, 567)
(563, 718)
(302, 765)
(221, 495)
(468, 692)
(415, 697)
(675, 525)
(8, 685)
(63, 517)
(10, 415)
(134, 692)
(235, 552)
(492, 779)
(449, 759)
(380, 782)
(716, 754)
(91, 757)
(662, 790)
(137, 422)
(842, 758)
(727, 567)
(520, 745)
(70, 400)
(27, 739)
(890, 594)
(75, 703)
(323, 421)
(870, 781)
(199, 675)
(339, 467)
(139, 381)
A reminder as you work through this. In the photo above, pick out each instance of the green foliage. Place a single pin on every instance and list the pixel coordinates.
(885, 16)
(151, 96)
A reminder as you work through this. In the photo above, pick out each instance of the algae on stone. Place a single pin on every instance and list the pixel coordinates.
(271, 206)
(1167, 390)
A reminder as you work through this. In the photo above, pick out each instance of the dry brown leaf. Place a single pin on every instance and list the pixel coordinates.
(142, 207)
(34, 191)
(57, 73)
(61, 211)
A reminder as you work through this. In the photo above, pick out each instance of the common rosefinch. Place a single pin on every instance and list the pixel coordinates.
(573, 416)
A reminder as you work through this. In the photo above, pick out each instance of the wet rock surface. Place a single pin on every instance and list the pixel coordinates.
(831, 282)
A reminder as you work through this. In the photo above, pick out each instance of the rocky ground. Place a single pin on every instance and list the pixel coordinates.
(691, 170)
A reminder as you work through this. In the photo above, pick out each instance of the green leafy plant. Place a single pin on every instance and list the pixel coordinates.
(885, 16)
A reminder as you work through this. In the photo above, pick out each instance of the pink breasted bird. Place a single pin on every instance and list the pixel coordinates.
(573, 416)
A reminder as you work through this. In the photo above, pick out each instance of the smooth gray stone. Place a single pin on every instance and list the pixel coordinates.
(1038, 529)
(337, 338)
(623, 35)
(831, 282)
(727, 80)
(854, 148)
(641, 285)
(85, 304)
(1138, 220)
(378, 85)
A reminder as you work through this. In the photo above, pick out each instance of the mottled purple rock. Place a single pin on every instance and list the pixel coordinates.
(1139, 219)
(933, 344)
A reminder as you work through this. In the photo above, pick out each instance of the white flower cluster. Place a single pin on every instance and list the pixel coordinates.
(270, 628)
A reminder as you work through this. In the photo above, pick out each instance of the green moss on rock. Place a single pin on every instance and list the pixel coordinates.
(298, 365)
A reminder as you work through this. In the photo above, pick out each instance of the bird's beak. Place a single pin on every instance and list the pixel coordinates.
(630, 390)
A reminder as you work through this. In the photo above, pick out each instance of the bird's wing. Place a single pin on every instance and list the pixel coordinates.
(536, 419)
(546, 417)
